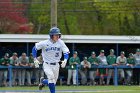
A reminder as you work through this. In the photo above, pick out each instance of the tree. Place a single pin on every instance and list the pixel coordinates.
(12, 17)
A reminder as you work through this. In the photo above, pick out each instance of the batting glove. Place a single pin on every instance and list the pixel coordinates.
(64, 63)
(36, 62)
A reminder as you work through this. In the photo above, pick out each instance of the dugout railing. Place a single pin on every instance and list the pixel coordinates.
(10, 67)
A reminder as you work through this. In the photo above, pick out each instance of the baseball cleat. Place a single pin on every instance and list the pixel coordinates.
(41, 85)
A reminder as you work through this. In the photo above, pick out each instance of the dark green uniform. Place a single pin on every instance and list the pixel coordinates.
(93, 61)
(131, 61)
(129, 71)
(111, 59)
(4, 61)
(4, 72)
(72, 66)
(72, 69)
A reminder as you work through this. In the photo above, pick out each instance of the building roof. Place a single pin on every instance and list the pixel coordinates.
(71, 38)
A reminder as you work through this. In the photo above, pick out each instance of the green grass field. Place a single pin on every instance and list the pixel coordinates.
(75, 89)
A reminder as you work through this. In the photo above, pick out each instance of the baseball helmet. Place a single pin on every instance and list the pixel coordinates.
(54, 31)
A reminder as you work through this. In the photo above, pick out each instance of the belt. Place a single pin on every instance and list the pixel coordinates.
(51, 63)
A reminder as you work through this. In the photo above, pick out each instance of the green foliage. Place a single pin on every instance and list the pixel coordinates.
(89, 17)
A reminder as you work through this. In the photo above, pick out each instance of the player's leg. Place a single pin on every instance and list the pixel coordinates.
(69, 76)
(110, 71)
(23, 76)
(28, 74)
(5, 77)
(91, 77)
(129, 75)
(83, 77)
(36, 73)
(51, 78)
(56, 71)
(74, 77)
(122, 76)
(19, 76)
(1, 75)
(14, 77)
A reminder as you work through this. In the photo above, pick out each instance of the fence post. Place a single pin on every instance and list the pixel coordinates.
(10, 75)
(115, 76)
(77, 76)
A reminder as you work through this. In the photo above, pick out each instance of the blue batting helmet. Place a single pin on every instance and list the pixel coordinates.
(54, 31)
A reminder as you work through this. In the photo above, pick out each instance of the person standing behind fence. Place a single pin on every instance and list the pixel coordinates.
(121, 61)
(39, 72)
(111, 60)
(4, 72)
(14, 62)
(30, 71)
(103, 62)
(131, 63)
(93, 71)
(24, 62)
(73, 62)
(85, 65)
(137, 70)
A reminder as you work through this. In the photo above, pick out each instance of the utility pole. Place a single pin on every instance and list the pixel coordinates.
(53, 13)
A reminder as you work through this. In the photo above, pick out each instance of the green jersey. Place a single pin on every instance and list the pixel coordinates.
(93, 61)
(131, 61)
(31, 60)
(4, 61)
(111, 59)
(71, 62)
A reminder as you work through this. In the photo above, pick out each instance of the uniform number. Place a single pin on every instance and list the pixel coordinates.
(56, 54)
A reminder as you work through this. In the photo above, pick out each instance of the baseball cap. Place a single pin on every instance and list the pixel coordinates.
(130, 54)
(85, 58)
(112, 50)
(93, 53)
(102, 51)
(138, 50)
(14, 54)
(6, 55)
(122, 52)
(75, 52)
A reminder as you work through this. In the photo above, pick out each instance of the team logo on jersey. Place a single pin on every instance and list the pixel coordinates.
(53, 48)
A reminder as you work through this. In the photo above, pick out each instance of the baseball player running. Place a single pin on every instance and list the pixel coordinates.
(51, 52)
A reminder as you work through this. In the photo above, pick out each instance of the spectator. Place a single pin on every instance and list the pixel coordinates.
(102, 61)
(14, 62)
(24, 62)
(111, 60)
(131, 63)
(29, 72)
(39, 71)
(93, 71)
(137, 71)
(85, 65)
(121, 61)
(4, 72)
(73, 62)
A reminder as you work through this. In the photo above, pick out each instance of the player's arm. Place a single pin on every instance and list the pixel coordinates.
(34, 52)
(66, 53)
(66, 57)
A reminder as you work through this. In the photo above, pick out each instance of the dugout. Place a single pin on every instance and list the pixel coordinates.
(84, 44)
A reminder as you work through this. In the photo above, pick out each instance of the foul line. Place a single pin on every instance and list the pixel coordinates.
(61, 91)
